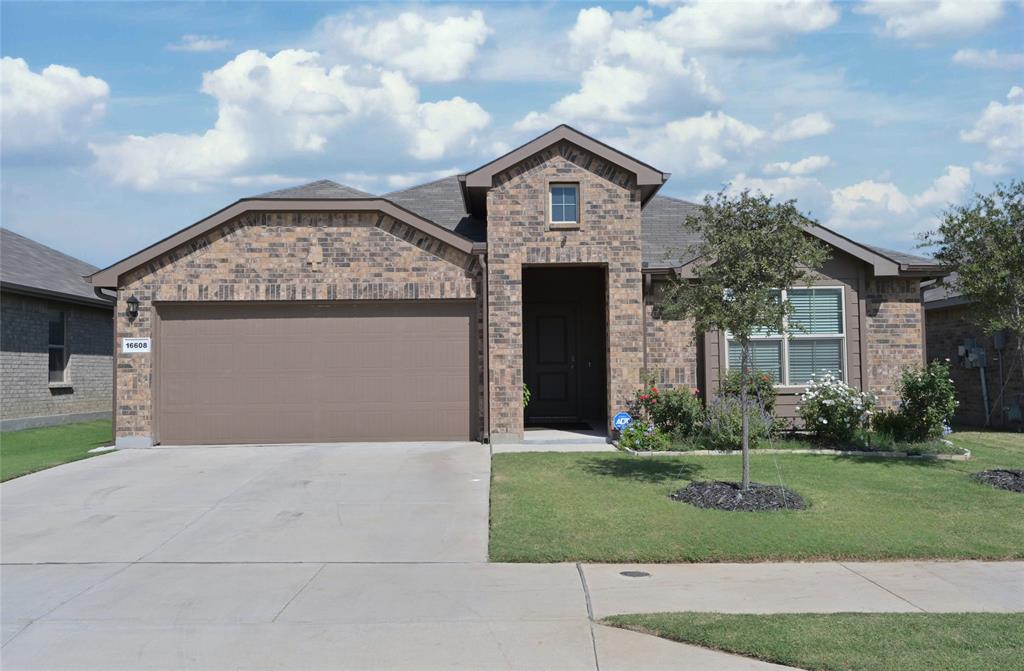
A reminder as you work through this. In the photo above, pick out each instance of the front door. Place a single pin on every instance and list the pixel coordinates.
(550, 361)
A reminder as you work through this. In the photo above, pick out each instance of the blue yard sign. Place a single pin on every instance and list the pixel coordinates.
(622, 420)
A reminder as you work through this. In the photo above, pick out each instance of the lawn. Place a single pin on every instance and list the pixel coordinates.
(608, 507)
(851, 641)
(32, 450)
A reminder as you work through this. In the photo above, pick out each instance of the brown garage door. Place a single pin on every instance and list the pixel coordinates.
(287, 373)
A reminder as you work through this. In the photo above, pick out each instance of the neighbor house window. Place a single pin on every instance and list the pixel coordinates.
(814, 345)
(58, 347)
(565, 200)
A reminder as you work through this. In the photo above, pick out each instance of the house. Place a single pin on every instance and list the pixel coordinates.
(987, 376)
(56, 338)
(323, 313)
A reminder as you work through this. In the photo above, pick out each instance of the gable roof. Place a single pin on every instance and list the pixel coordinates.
(290, 200)
(32, 268)
(441, 202)
(666, 244)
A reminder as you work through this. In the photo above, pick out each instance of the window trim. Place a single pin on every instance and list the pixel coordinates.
(557, 224)
(784, 383)
(63, 347)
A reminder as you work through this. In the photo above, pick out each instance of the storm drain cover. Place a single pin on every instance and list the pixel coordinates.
(635, 574)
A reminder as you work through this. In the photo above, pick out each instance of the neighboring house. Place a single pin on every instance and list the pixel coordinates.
(984, 368)
(322, 313)
(56, 338)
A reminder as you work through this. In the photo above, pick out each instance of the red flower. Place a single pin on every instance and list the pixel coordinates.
(654, 390)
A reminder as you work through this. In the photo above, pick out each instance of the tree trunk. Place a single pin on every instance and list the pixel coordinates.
(744, 358)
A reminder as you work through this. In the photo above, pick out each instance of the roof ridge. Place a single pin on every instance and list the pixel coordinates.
(417, 186)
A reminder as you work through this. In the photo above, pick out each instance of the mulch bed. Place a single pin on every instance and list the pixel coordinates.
(728, 496)
(1008, 479)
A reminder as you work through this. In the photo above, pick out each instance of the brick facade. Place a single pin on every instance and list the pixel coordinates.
(283, 257)
(894, 337)
(947, 328)
(25, 391)
(672, 352)
(518, 234)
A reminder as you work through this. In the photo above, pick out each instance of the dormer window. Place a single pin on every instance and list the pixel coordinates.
(564, 204)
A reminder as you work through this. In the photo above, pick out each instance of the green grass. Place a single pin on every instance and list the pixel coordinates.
(851, 641)
(31, 450)
(614, 507)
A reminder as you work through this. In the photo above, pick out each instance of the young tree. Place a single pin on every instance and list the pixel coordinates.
(983, 241)
(750, 249)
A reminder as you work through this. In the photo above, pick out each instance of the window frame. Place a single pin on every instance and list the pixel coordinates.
(556, 223)
(784, 382)
(63, 347)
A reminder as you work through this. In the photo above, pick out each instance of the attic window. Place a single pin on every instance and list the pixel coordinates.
(564, 203)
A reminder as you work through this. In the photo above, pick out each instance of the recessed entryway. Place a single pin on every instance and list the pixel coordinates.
(565, 349)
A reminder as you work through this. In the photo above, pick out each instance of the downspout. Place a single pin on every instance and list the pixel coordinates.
(482, 257)
(648, 285)
(113, 378)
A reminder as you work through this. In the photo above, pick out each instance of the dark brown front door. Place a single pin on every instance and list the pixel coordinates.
(551, 361)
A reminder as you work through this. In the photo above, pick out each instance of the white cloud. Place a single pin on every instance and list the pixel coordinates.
(804, 166)
(921, 19)
(423, 48)
(199, 43)
(626, 70)
(742, 26)
(808, 125)
(47, 108)
(289, 104)
(989, 59)
(1000, 128)
(695, 144)
(947, 189)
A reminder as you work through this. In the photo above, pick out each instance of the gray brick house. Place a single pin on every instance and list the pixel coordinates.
(323, 313)
(56, 338)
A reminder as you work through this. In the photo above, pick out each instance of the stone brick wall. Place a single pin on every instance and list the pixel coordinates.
(519, 234)
(24, 359)
(672, 351)
(894, 337)
(947, 328)
(284, 257)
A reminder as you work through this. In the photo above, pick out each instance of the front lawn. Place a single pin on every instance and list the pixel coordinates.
(851, 641)
(31, 450)
(607, 507)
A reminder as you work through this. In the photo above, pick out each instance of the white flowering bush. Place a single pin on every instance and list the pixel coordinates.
(834, 412)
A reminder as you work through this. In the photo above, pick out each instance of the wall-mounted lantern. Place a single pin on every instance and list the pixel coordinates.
(133, 308)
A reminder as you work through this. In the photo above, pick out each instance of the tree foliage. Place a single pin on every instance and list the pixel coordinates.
(983, 241)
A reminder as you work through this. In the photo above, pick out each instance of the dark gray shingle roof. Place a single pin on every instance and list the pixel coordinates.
(945, 291)
(903, 258)
(666, 242)
(441, 202)
(323, 188)
(28, 265)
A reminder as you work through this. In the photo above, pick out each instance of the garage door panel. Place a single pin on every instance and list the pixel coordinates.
(288, 372)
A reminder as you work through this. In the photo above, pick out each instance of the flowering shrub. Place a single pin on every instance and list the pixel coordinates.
(643, 437)
(834, 412)
(677, 412)
(927, 403)
(645, 403)
(723, 424)
(760, 386)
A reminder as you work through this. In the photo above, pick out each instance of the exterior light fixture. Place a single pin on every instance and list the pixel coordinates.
(133, 307)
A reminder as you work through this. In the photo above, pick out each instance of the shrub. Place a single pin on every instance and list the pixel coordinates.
(761, 387)
(833, 411)
(644, 403)
(927, 401)
(643, 437)
(723, 424)
(890, 424)
(678, 412)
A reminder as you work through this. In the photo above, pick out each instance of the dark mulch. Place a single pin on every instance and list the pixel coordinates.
(1008, 479)
(728, 496)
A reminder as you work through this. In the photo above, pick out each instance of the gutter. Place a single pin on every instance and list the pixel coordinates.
(480, 249)
(103, 300)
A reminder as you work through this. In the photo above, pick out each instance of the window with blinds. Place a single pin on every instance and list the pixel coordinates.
(815, 343)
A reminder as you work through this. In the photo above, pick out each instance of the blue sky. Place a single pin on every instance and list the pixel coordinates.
(123, 123)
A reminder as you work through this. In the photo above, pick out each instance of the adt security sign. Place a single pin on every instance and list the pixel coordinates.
(622, 420)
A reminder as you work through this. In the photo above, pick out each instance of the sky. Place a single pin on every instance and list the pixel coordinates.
(125, 122)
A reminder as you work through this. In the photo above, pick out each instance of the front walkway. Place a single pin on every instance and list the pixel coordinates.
(363, 557)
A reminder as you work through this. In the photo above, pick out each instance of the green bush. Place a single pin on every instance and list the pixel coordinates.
(927, 400)
(891, 425)
(678, 412)
(761, 386)
(834, 412)
(643, 437)
(723, 425)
